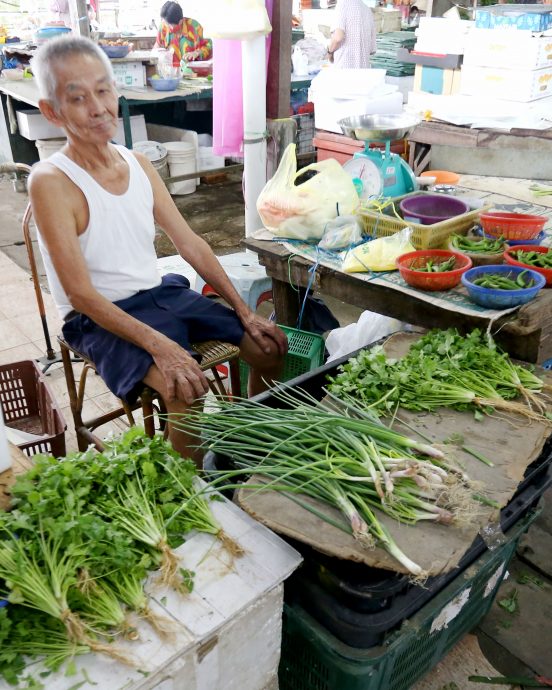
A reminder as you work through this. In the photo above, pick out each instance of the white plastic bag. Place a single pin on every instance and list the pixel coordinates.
(300, 62)
(301, 211)
(341, 232)
(369, 328)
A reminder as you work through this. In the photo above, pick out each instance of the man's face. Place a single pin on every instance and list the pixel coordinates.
(86, 101)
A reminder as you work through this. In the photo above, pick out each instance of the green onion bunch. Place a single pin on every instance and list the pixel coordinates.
(343, 458)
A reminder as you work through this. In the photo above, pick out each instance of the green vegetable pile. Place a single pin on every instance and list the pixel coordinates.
(343, 458)
(435, 265)
(443, 368)
(499, 281)
(482, 245)
(532, 258)
(77, 547)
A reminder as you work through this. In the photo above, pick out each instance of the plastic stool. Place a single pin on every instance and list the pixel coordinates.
(247, 276)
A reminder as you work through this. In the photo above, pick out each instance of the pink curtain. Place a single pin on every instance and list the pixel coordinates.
(228, 94)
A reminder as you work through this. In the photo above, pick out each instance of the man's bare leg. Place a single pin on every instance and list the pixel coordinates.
(183, 442)
(264, 368)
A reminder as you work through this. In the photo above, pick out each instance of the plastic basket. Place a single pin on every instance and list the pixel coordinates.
(313, 659)
(29, 406)
(423, 236)
(305, 352)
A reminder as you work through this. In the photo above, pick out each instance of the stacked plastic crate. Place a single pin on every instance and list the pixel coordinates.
(305, 132)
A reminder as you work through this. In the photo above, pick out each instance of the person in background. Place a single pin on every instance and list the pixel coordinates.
(353, 38)
(60, 11)
(183, 34)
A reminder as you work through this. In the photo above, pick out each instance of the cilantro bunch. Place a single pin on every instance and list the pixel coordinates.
(83, 534)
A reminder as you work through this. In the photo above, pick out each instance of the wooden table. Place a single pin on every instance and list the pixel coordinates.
(440, 133)
(525, 334)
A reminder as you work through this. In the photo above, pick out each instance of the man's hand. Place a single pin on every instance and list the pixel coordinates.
(263, 331)
(183, 377)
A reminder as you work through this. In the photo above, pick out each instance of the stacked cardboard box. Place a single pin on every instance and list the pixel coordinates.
(438, 55)
(508, 64)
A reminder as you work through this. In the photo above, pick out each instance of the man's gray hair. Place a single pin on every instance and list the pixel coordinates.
(59, 50)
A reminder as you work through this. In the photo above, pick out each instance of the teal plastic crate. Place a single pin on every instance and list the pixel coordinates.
(305, 352)
(313, 659)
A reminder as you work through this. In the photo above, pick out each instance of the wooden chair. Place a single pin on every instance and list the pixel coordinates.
(214, 354)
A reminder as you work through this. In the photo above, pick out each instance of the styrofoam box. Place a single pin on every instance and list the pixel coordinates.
(208, 160)
(33, 125)
(328, 111)
(130, 74)
(510, 84)
(137, 130)
(227, 632)
(508, 48)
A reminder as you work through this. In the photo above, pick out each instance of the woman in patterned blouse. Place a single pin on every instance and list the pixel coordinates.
(183, 34)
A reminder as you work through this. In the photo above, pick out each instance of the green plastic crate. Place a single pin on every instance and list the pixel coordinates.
(313, 659)
(305, 352)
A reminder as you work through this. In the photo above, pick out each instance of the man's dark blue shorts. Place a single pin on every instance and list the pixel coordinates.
(172, 309)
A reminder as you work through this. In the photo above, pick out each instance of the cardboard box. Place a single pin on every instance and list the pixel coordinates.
(33, 125)
(526, 17)
(520, 85)
(508, 48)
(130, 74)
(442, 82)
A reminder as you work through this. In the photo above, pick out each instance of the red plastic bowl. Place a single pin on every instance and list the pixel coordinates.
(509, 259)
(432, 281)
(512, 226)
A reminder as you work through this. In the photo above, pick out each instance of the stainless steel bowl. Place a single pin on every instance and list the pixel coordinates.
(379, 127)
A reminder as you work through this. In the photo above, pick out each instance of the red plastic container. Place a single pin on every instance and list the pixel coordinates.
(432, 281)
(512, 226)
(509, 259)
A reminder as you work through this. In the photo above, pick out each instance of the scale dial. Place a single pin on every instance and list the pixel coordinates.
(365, 170)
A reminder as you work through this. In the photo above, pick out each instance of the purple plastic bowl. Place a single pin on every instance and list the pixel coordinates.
(431, 208)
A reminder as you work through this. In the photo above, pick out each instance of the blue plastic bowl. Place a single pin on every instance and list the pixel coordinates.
(47, 32)
(115, 51)
(165, 84)
(501, 299)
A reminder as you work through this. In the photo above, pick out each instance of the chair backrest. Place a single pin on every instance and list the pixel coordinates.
(26, 226)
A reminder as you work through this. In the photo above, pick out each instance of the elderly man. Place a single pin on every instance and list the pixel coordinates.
(95, 204)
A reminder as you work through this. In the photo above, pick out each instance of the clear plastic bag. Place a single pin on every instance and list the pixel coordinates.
(300, 210)
(380, 254)
(341, 232)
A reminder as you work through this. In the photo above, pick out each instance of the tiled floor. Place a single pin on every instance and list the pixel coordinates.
(22, 338)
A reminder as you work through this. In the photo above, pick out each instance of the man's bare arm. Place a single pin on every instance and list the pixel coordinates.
(58, 226)
(200, 256)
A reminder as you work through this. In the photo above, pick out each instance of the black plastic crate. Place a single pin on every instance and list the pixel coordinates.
(313, 659)
(336, 594)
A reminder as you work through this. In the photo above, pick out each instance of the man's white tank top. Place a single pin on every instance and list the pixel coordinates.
(118, 244)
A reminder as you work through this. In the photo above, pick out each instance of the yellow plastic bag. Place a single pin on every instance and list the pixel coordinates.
(301, 211)
(380, 254)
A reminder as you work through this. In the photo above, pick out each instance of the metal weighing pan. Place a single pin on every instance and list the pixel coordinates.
(379, 127)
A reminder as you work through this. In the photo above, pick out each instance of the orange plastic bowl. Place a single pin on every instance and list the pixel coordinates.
(512, 226)
(432, 281)
(442, 176)
(509, 259)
